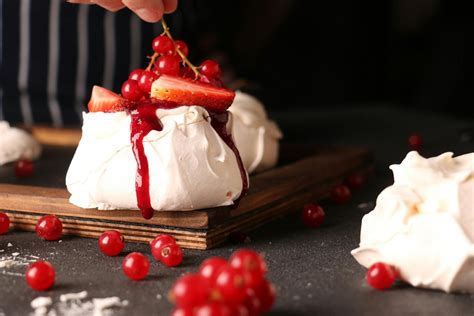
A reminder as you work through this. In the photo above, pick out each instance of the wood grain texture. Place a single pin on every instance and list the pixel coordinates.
(272, 194)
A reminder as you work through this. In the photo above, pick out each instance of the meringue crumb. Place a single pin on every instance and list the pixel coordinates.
(73, 296)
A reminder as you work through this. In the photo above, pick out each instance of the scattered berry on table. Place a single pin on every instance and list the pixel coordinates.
(24, 168)
(340, 194)
(171, 255)
(355, 181)
(415, 141)
(313, 215)
(136, 266)
(49, 227)
(4, 223)
(111, 243)
(158, 243)
(40, 275)
(381, 276)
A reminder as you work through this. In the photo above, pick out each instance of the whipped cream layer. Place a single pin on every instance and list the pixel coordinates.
(256, 137)
(190, 166)
(424, 223)
(16, 144)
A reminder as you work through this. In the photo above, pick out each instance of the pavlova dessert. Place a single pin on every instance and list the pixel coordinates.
(423, 225)
(166, 142)
(255, 135)
(16, 144)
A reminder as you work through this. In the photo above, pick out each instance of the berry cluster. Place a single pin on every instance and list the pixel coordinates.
(220, 287)
(169, 58)
(136, 265)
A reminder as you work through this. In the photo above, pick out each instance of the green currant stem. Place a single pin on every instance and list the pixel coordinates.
(180, 53)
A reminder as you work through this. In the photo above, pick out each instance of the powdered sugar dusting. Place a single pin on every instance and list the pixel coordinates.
(77, 304)
(15, 263)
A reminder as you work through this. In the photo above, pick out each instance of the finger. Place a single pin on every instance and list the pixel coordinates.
(111, 5)
(148, 10)
(170, 5)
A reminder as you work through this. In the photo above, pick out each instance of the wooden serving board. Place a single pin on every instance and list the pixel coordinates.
(272, 194)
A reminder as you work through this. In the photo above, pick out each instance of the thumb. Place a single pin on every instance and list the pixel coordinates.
(147, 10)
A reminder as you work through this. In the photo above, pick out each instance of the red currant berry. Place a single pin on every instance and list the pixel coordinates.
(158, 243)
(266, 295)
(313, 215)
(168, 65)
(216, 82)
(239, 238)
(415, 141)
(183, 47)
(182, 312)
(210, 69)
(135, 74)
(213, 309)
(40, 275)
(240, 310)
(49, 227)
(24, 168)
(210, 267)
(187, 72)
(381, 276)
(4, 223)
(190, 291)
(251, 264)
(146, 80)
(340, 194)
(252, 302)
(131, 91)
(162, 44)
(171, 255)
(230, 283)
(136, 266)
(111, 243)
(354, 181)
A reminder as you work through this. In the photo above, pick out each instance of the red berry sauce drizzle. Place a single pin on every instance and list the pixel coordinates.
(145, 119)
(219, 123)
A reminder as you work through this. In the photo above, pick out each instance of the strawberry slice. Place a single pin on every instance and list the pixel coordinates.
(103, 100)
(185, 91)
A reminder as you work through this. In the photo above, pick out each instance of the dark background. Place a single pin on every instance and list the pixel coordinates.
(412, 53)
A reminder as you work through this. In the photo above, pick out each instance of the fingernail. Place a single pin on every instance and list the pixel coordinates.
(148, 15)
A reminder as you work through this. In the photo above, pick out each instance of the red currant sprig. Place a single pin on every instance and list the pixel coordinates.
(162, 44)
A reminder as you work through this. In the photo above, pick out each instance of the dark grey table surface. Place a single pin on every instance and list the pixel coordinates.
(312, 268)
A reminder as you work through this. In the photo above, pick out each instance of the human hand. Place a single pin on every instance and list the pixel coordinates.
(148, 10)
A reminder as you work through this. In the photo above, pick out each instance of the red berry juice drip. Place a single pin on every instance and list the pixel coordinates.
(144, 120)
(219, 123)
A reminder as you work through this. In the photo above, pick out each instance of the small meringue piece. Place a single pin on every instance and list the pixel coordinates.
(16, 144)
(256, 137)
(424, 223)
